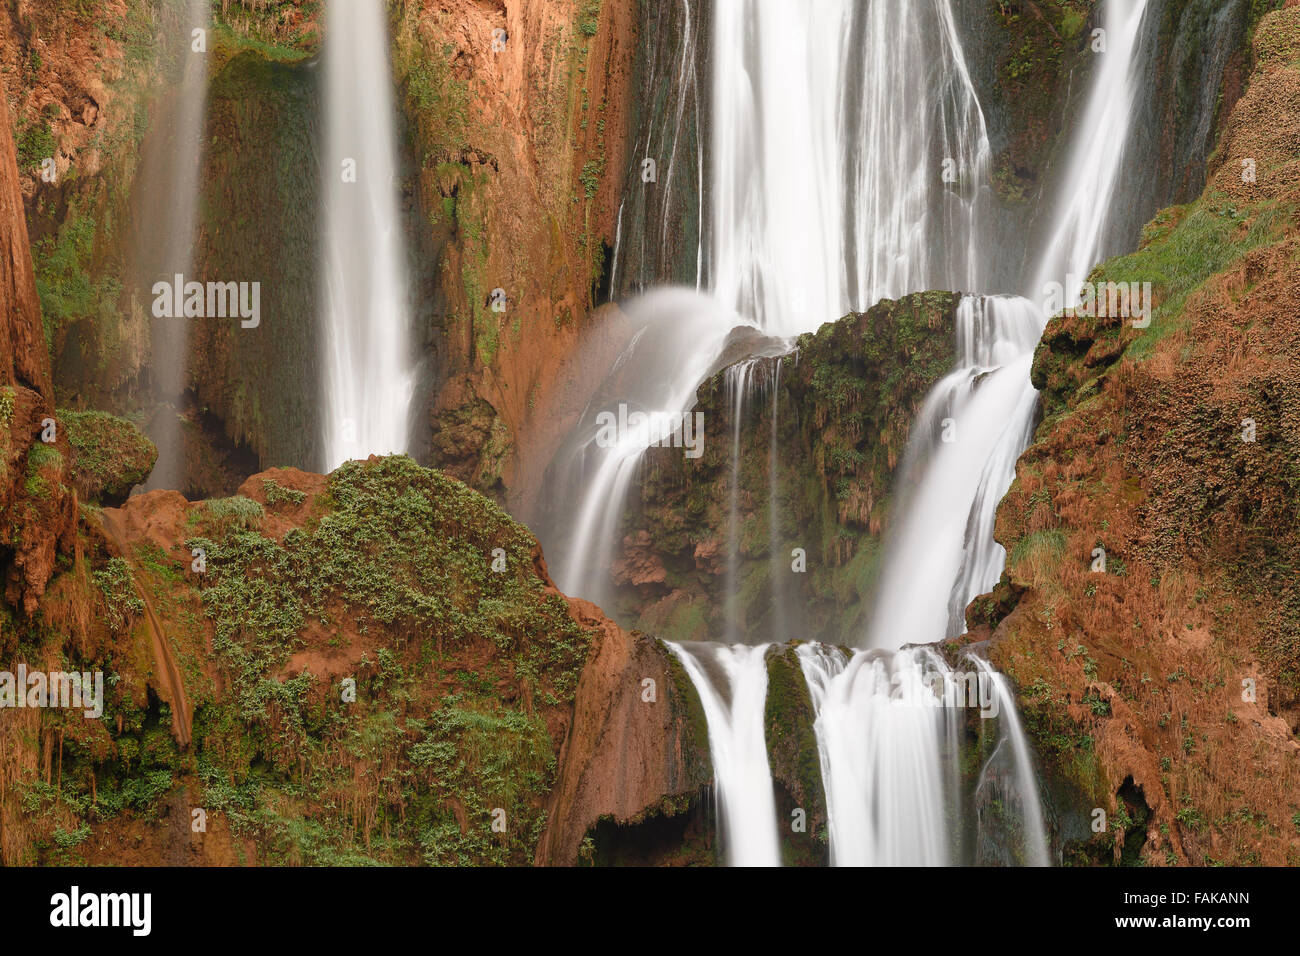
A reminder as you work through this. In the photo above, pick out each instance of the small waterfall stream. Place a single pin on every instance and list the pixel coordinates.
(651, 377)
(882, 736)
(960, 461)
(369, 378)
(1009, 778)
(732, 683)
(1079, 237)
(174, 158)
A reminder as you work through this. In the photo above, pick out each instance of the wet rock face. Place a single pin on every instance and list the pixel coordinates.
(844, 402)
(637, 749)
(24, 360)
(1149, 610)
(516, 134)
(37, 508)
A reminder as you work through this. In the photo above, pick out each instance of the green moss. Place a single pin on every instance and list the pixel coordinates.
(434, 96)
(406, 552)
(1277, 41)
(589, 18)
(1183, 247)
(857, 384)
(110, 454)
(42, 456)
(36, 143)
(66, 282)
(791, 743)
(689, 711)
(262, 27)
(236, 513)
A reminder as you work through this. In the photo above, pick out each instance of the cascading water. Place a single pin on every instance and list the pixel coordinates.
(1007, 779)
(885, 742)
(650, 377)
(369, 377)
(849, 158)
(732, 683)
(882, 736)
(658, 229)
(174, 158)
(972, 429)
(1079, 237)
(817, 203)
(824, 198)
(737, 379)
(961, 460)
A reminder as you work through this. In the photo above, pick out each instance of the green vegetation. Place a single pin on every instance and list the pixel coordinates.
(277, 493)
(1184, 246)
(589, 18)
(122, 605)
(389, 696)
(407, 552)
(110, 454)
(280, 31)
(35, 143)
(66, 280)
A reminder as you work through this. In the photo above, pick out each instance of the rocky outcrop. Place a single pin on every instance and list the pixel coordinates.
(37, 509)
(517, 118)
(110, 456)
(844, 402)
(371, 665)
(638, 745)
(1148, 614)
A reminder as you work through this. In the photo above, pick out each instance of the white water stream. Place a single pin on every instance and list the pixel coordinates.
(1090, 190)
(176, 208)
(732, 683)
(368, 376)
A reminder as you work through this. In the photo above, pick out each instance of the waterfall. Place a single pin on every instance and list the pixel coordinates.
(738, 377)
(973, 427)
(651, 377)
(368, 372)
(827, 193)
(881, 741)
(849, 158)
(1008, 780)
(174, 160)
(960, 461)
(776, 559)
(849, 161)
(657, 232)
(1089, 192)
(732, 683)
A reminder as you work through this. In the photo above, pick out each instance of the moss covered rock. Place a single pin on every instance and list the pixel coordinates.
(110, 456)
(843, 404)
